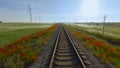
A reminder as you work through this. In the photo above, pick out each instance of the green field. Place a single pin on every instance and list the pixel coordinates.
(106, 52)
(9, 32)
(111, 31)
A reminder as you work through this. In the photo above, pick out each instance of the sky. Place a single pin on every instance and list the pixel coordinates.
(60, 10)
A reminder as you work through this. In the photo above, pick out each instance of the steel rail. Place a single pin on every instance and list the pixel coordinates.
(56, 44)
(75, 48)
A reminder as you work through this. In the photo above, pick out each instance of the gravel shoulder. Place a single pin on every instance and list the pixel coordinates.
(95, 62)
(45, 51)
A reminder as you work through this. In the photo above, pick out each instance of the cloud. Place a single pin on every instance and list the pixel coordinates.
(90, 8)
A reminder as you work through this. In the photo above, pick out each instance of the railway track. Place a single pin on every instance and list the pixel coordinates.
(65, 54)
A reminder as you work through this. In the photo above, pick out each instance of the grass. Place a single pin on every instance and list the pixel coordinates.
(9, 32)
(108, 53)
(94, 29)
(25, 50)
(10, 36)
(110, 29)
(4, 27)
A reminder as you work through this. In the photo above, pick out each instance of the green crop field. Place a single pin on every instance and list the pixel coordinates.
(105, 51)
(9, 32)
(111, 31)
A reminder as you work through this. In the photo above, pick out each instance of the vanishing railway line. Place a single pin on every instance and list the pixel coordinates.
(66, 51)
(65, 54)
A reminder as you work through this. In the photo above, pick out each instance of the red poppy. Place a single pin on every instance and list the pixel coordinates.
(111, 50)
(89, 38)
(98, 43)
(107, 56)
(118, 59)
(23, 55)
(4, 53)
(0, 49)
(34, 58)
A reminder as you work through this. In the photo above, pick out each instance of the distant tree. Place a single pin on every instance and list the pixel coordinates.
(0, 21)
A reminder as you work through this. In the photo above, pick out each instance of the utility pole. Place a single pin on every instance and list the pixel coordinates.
(29, 10)
(104, 23)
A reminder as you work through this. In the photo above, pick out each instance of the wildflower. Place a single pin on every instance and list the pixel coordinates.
(98, 43)
(107, 56)
(34, 58)
(89, 38)
(0, 49)
(23, 55)
(118, 59)
(111, 50)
